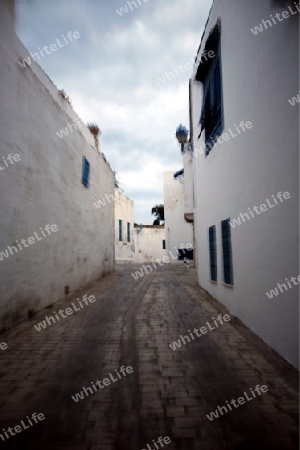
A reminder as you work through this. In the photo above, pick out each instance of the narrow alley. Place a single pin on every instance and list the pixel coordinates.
(167, 393)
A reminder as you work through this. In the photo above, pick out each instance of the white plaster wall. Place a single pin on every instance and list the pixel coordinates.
(188, 183)
(124, 210)
(145, 243)
(260, 73)
(178, 231)
(148, 243)
(45, 187)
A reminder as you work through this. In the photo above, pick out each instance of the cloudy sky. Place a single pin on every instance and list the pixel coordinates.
(112, 72)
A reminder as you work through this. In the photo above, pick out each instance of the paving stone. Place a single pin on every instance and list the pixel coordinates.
(169, 393)
(175, 411)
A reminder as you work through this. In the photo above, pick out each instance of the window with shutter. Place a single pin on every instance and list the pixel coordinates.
(85, 172)
(128, 232)
(120, 230)
(227, 252)
(213, 253)
(209, 74)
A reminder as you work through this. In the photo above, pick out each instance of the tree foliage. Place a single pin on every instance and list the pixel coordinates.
(159, 212)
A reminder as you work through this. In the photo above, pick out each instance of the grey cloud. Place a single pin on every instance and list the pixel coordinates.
(109, 74)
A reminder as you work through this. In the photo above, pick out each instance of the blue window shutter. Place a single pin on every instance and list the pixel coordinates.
(217, 85)
(120, 230)
(212, 93)
(211, 113)
(128, 232)
(213, 253)
(85, 172)
(227, 251)
(204, 101)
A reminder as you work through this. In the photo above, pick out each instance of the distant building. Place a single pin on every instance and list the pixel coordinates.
(245, 136)
(149, 243)
(135, 243)
(124, 222)
(56, 178)
(179, 232)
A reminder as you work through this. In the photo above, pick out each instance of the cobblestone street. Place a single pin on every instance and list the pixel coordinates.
(169, 392)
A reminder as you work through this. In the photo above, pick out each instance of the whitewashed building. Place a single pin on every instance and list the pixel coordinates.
(124, 225)
(179, 232)
(133, 243)
(56, 180)
(245, 135)
(149, 243)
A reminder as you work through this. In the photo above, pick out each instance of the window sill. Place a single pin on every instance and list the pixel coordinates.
(228, 285)
(213, 281)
